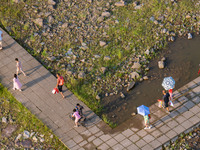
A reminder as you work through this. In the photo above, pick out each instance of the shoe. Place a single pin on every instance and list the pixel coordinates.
(14, 89)
(75, 126)
(146, 128)
(150, 127)
(168, 112)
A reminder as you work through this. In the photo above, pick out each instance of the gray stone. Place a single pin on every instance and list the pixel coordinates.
(161, 64)
(81, 75)
(189, 36)
(65, 25)
(89, 1)
(52, 58)
(27, 143)
(107, 58)
(103, 69)
(121, 3)
(122, 95)
(145, 78)
(51, 2)
(98, 97)
(7, 132)
(102, 43)
(4, 120)
(34, 139)
(18, 137)
(16, 1)
(26, 134)
(39, 21)
(136, 65)
(105, 14)
(130, 85)
(134, 75)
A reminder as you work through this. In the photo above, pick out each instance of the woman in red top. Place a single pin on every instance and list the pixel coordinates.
(60, 82)
(170, 93)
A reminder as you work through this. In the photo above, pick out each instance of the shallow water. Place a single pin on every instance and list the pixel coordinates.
(182, 63)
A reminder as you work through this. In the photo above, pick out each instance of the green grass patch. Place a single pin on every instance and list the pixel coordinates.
(25, 120)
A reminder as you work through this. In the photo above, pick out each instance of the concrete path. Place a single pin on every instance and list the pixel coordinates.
(54, 111)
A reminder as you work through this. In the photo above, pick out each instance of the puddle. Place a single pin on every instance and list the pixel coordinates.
(183, 58)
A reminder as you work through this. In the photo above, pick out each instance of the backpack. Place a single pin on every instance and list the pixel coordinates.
(61, 82)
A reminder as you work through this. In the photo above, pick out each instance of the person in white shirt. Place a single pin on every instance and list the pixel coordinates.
(1, 40)
(19, 66)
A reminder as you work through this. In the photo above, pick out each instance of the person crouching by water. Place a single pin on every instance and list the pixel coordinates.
(16, 84)
(166, 100)
(77, 117)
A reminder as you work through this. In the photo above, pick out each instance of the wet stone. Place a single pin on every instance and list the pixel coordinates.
(7, 132)
(26, 143)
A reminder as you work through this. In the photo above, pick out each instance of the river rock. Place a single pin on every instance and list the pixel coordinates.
(189, 36)
(134, 75)
(145, 78)
(130, 85)
(122, 95)
(51, 2)
(105, 14)
(7, 132)
(39, 21)
(4, 120)
(81, 75)
(16, 1)
(98, 97)
(107, 58)
(18, 137)
(52, 58)
(161, 64)
(133, 114)
(102, 43)
(136, 65)
(103, 69)
(26, 134)
(163, 59)
(65, 25)
(27, 143)
(121, 3)
(89, 1)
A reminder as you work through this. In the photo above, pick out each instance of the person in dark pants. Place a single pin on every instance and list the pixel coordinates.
(60, 82)
(166, 100)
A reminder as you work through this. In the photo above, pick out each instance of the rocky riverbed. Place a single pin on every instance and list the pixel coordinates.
(100, 47)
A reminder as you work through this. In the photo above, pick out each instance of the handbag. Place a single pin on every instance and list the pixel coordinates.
(55, 91)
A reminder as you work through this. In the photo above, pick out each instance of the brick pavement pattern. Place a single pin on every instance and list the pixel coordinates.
(54, 111)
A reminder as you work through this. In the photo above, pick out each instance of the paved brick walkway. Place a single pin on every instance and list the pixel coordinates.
(54, 111)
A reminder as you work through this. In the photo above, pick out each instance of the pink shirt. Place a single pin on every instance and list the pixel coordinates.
(76, 115)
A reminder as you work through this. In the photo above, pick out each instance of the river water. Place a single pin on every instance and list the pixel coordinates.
(182, 63)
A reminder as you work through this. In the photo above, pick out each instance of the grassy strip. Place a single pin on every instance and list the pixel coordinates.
(25, 120)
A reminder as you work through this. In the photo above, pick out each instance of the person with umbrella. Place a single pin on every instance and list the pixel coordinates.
(144, 111)
(168, 84)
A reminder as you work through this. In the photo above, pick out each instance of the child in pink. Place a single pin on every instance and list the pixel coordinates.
(77, 117)
(16, 84)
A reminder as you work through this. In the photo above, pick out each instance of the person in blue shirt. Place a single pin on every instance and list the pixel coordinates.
(1, 40)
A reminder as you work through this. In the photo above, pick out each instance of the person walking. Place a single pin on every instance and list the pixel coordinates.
(1, 40)
(166, 100)
(16, 84)
(60, 82)
(146, 122)
(80, 108)
(77, 117)
(19, 66)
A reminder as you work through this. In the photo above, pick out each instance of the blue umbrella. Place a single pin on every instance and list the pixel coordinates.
(143, 110)
(168, 83)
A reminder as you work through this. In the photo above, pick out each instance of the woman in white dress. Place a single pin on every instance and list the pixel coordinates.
(16, 84)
